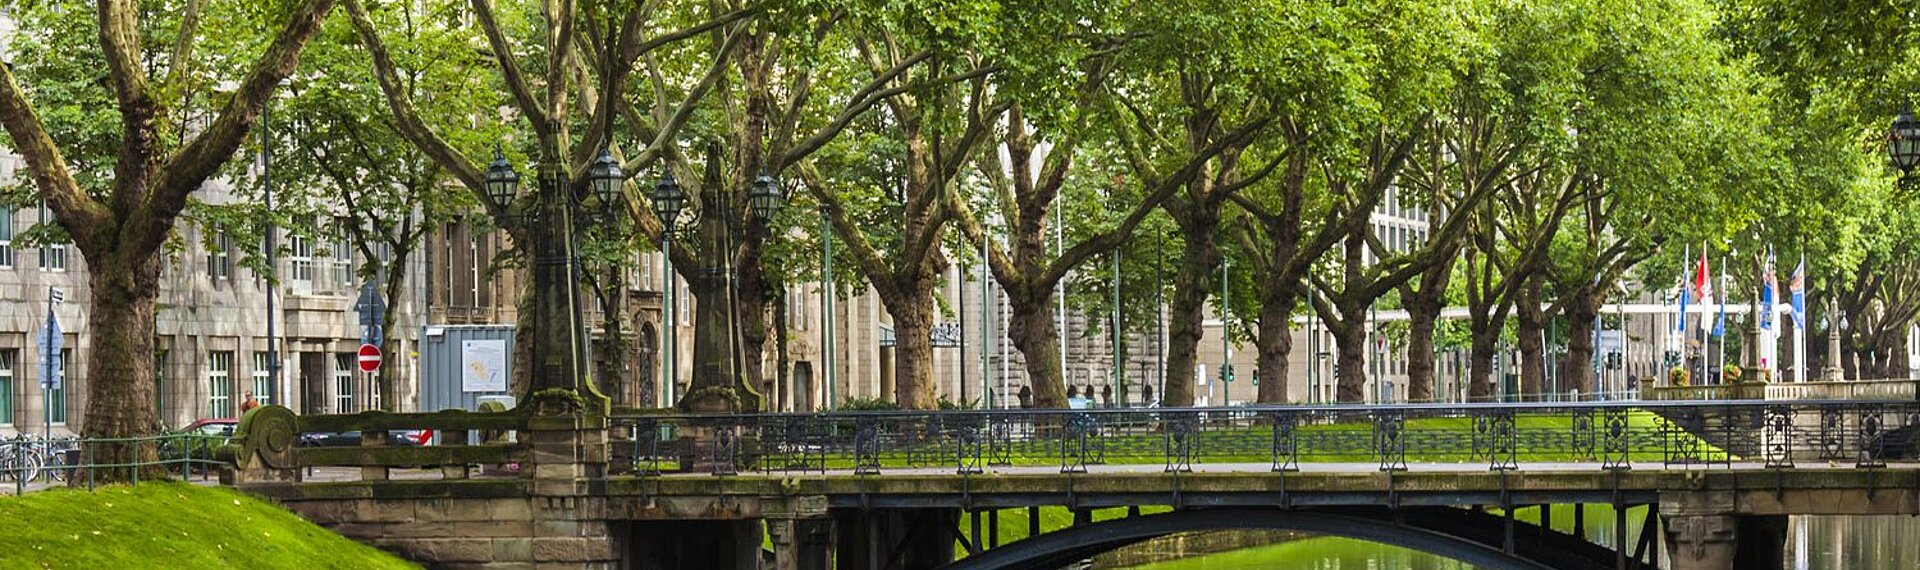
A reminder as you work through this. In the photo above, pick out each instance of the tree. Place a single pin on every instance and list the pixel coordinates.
(121, 215)
(923, 141)
(1049, 144)
(584, 56)
(377, 191)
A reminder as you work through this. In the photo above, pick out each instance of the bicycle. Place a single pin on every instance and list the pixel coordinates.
(19, 462)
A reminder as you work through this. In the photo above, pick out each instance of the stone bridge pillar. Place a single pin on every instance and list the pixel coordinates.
(1704, 531)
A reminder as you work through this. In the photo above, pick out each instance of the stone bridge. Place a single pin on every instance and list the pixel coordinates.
(1694, 485)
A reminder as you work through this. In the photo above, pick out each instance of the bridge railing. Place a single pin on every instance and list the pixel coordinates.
(273, 443)
(1599, 436)
(1849, 390)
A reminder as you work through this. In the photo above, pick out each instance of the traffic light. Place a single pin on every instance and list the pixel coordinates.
(1226, 373)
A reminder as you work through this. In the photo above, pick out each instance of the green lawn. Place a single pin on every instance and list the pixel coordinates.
(172, 525)
(1317, 552)
(1538, 438)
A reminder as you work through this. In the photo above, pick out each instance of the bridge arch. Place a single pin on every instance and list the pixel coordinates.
(1478, 540)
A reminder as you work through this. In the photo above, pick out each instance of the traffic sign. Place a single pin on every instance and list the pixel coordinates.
(369, 358)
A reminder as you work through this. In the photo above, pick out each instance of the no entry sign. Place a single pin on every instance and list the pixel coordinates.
(369, 358)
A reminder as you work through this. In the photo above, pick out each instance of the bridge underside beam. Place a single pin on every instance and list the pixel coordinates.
(1406, 528)
(1231, 499)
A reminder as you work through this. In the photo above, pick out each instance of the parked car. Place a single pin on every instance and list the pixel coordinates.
(352, 438)
(191, 447)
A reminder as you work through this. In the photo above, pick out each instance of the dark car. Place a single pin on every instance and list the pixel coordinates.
(191, 447)
(352, 439)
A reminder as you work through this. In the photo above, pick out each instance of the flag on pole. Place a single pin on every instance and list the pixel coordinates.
(1686, 294)
(1703, 279)
(1769, 288)
(1797, 292)
(1720, 320)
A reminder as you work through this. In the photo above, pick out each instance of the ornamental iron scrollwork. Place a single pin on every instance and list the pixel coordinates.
(1182, 437)
(1000, 439)
(1583, 434)
(726, 450)
(1678, 444)
(1483, 436)
(646, 447)
(1076, 442)
(1390, 439)
(1833, 423)
(1616, 441)
(866, 446)
(967, 445)
(1777, 436)
(1872, 436)
(1286, 444)
(1504, 443)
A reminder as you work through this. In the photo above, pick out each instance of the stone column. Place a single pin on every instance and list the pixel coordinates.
(568, 453)
(1701, 542)
(1705, 531)
(567, 449)
(801, 544)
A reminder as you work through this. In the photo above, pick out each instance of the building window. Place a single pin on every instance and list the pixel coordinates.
(299, 258)
(7, 359)
(6, 237)
(343, 366)
(57, 397)
(53, 256)
(262, 378)
(220, 257)
(220, 384)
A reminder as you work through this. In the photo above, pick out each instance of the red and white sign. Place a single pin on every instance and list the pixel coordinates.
(369, 358)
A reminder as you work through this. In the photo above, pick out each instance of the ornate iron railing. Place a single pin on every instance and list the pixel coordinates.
(1493, 436)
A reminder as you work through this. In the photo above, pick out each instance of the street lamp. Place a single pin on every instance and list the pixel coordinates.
(1903, 141)
(551, 230)
(502, 182)
(718, 384)
(605, 176)
(765, 199)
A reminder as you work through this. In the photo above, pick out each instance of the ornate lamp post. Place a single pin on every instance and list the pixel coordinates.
(718, 384)
(560, 342)
(1903, 142)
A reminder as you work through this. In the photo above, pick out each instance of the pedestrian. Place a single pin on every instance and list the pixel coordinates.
(248, 403)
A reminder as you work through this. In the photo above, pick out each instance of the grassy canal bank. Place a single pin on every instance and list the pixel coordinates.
(169, 525)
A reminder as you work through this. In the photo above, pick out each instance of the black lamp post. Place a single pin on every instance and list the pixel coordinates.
(718, 384)
(550, 227)
(1903, 142)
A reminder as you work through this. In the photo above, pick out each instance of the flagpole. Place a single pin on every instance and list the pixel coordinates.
(1705, 279)
(1799, 321)
(1720, 321)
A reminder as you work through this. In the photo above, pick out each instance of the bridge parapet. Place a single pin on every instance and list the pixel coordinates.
(274, 444)
(510, 487)
(1495, 436)
(1898, 389)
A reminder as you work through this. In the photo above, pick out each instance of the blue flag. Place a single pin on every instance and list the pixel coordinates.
(1797, 292)
(1769, 283)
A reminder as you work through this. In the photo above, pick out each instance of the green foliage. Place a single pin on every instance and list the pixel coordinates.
(950, 405)
(857, 404)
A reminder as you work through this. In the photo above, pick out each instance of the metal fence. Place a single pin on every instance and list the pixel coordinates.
(28, 463)
(1497, 436)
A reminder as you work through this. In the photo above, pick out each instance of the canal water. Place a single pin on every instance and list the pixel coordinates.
(1813, 543)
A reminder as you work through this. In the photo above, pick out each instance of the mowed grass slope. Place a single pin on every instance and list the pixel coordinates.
(169, 525)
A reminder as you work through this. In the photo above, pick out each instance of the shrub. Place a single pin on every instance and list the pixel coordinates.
(867, 405)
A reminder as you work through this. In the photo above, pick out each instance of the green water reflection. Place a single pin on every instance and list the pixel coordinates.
(1813, 543)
